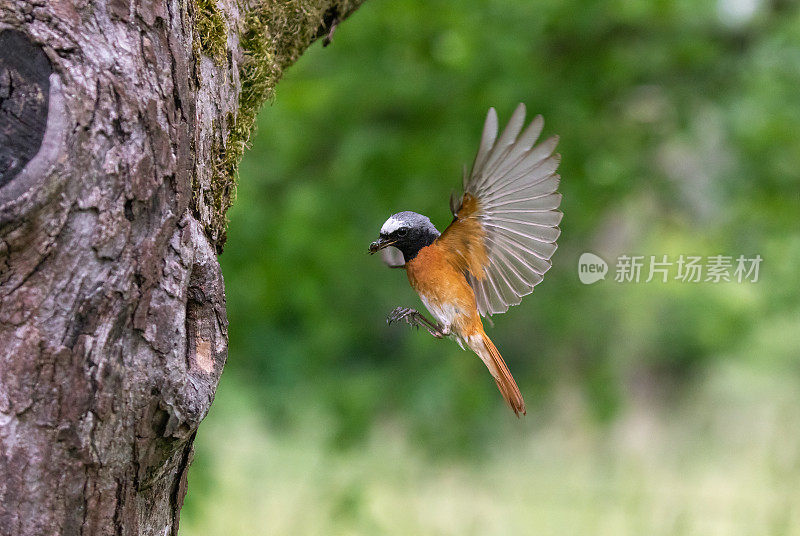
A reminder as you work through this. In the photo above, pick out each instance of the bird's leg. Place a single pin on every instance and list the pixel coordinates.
(415, 318)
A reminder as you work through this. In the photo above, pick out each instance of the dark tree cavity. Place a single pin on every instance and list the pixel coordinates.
(121, 126)
(24, 91)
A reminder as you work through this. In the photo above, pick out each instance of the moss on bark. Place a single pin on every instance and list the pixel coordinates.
(211, 37)
(271, 35)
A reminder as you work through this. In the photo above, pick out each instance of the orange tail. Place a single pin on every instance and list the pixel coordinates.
(483, 346)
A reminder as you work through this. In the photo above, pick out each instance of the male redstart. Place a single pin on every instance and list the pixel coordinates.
(495, 250)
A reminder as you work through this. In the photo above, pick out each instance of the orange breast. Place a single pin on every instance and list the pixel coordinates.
(444, 289)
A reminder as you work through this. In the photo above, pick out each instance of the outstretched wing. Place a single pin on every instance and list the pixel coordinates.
(506, 222)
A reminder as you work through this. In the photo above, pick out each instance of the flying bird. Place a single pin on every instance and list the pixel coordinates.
(496, 249)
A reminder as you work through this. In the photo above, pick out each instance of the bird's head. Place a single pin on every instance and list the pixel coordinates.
(407, 231)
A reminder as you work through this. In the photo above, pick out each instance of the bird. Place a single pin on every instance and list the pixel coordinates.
(496, 249)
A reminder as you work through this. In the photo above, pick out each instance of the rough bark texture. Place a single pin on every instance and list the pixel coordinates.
(121, 126)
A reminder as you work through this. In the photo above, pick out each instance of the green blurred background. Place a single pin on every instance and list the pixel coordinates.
(653, 408)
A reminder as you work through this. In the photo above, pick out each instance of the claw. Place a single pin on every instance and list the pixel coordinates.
(400, 313)
(415, 319)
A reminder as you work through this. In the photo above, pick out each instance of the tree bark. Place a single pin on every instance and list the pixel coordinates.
(121, 126)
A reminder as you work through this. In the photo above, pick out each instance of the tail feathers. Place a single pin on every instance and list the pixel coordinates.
(483, 346)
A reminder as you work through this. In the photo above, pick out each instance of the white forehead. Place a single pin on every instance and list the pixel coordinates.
(391, 225)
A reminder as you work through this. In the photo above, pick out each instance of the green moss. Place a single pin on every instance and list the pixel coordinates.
(212, 37)
(273, 35)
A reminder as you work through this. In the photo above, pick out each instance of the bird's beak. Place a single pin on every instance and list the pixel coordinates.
(379, 244)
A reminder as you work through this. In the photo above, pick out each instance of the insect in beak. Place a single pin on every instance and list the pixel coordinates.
(379, 244)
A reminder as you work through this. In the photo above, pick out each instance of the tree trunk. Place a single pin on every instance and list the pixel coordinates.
(121, 126)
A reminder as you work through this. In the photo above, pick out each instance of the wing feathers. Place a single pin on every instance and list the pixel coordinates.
(519, 157)
(513, 194)
(487, 142)
(501, 150)
(526, 229)
(528, 191)
(522, 242)
(528, 265)
(521, 147)
(534, 167)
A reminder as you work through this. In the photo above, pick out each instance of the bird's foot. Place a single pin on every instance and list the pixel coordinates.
(413, 317)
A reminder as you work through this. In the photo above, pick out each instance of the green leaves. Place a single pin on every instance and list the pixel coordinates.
(677, 134)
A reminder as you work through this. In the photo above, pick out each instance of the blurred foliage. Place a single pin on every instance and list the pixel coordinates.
(679, 135)
(687, 473)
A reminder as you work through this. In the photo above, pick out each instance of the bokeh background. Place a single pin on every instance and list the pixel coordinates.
(654, 408)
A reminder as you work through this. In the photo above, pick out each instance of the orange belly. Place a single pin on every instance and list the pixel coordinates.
(444, 290)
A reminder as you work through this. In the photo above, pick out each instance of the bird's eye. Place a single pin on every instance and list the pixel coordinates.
(402, 231)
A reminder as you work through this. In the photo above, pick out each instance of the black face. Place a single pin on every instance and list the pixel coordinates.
(410, 232)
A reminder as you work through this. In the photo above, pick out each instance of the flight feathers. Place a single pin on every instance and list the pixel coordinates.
(506, 222)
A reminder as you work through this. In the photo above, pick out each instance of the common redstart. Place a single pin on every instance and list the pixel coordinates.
(496, 249)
